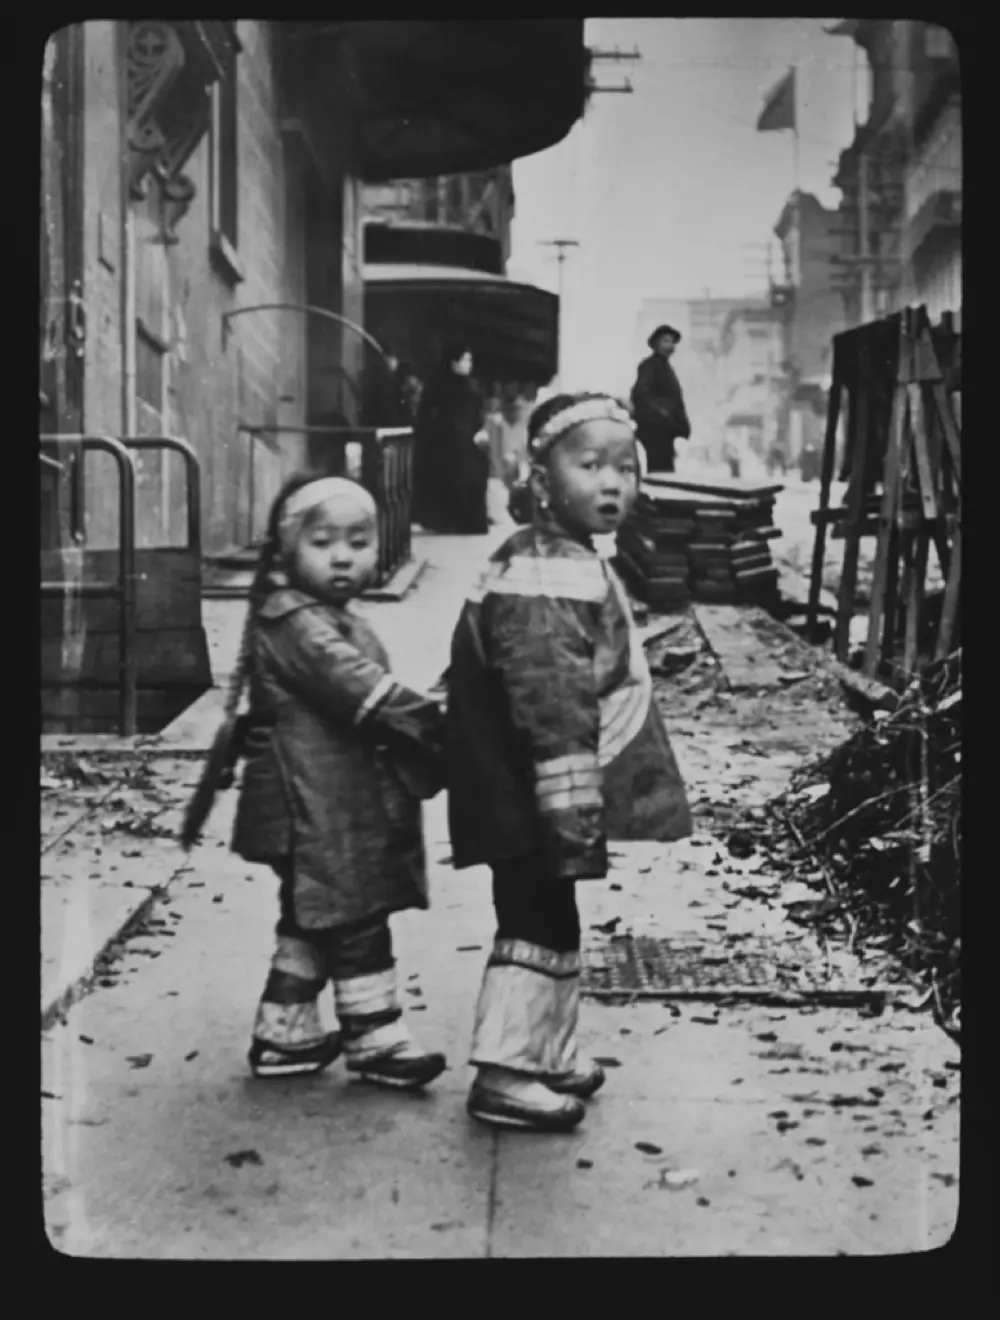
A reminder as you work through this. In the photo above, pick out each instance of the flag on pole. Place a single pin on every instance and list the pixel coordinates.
(779, 108)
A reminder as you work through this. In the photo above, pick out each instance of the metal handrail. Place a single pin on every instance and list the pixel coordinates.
(187, 452)
(125, 591)
(309, 308)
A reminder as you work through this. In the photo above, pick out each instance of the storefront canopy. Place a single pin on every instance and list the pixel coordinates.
(513, 328)
(452, 97)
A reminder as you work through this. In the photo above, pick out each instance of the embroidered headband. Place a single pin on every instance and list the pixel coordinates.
(587, 410)
(307, 498)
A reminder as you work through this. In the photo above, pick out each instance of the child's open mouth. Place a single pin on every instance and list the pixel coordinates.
(609, 510)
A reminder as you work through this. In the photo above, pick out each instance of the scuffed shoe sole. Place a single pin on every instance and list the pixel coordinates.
(293, 1063)
(400, 1074)
(500, 1111)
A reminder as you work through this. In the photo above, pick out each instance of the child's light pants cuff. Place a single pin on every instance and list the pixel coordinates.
(289, 1026)
(370, 1016)
(298, 958)
(528, 1009)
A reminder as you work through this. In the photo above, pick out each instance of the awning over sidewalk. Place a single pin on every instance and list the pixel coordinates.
(513, 328)
(424, 244)
(450, 97)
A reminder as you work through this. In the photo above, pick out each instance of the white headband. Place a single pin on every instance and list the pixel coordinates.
(306, 498)
(588, 410)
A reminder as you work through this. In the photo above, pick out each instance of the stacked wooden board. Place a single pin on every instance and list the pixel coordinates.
(700, 541)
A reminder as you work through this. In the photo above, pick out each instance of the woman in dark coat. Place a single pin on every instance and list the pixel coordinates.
(451, 466)
(658, 402)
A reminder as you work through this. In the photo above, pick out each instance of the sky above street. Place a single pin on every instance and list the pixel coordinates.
(667, 190)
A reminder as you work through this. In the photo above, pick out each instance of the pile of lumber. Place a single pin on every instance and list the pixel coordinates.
(700, 541)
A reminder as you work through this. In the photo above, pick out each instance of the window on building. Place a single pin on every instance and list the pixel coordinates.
(224, 174)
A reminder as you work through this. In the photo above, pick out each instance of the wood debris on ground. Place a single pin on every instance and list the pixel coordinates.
(881, 817)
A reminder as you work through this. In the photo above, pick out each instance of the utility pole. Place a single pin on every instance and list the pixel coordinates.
(560, 245)
(864, 237)
(615, 56)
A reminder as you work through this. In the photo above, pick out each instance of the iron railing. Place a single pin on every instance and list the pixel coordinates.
(124, 590)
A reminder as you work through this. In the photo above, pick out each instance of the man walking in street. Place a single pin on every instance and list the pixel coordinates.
(658, 402)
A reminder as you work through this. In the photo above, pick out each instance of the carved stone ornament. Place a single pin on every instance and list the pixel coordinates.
(154, 60)
(170, 69)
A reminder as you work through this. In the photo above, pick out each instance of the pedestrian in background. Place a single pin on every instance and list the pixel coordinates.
(338, 756)
(658, 402)
(555, 747)
(451, 466)
(507, 430)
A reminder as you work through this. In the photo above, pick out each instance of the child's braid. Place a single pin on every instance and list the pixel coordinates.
(269, 555)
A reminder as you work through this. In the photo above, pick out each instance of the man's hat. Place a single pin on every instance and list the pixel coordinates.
(663, 330)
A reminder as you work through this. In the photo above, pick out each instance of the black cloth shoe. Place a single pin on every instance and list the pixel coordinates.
(538, 1108)
(404, 1071)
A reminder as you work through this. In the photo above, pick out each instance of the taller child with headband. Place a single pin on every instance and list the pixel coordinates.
(555, 747)
(337, 757)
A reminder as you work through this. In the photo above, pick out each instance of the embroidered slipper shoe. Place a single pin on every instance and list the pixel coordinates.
(582, 1082)
(530, 1105)
(269, 1060)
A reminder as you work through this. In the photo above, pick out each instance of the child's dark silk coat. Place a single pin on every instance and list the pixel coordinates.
(555, 743)
(337, 758)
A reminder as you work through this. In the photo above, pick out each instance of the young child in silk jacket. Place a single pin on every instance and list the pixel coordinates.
(555, 747)
(338, 755)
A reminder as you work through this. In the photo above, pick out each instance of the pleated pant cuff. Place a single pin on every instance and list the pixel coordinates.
(528, 1009)
(289, 1026)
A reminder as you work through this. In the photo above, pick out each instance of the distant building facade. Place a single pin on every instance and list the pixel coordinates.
(901, 177)
(812, 308)
(751, 371)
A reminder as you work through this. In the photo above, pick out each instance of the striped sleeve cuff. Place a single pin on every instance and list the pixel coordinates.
(568, 782)
(382, 690)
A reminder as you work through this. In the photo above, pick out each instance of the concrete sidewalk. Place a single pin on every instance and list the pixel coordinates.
(722, 1130)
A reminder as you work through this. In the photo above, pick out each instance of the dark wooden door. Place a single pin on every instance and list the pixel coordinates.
(62, 323)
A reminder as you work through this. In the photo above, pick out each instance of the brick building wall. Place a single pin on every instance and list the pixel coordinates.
(810, 240)
(102, 230)
(262, 375)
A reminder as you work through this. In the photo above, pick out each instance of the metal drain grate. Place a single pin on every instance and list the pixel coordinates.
(769, 971)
